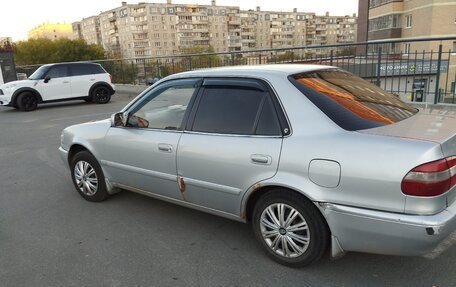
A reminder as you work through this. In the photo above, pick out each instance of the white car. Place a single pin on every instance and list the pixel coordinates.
(59, 82)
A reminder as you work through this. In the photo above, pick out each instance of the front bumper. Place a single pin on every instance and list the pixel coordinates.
(5, 100)
(371, 231)
(64, 156)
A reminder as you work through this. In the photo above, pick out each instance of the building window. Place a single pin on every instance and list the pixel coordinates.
(385, 22)
(408, 21)
(454, 47)
(407, 48)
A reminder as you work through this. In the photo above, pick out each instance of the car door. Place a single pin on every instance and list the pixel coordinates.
(56, 83)
(142, 155)
(233, 140)
(82, 79)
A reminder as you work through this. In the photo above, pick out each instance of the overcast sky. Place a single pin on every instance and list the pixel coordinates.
(18, 17)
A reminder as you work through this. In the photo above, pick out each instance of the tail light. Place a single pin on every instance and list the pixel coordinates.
(110, 78)
(431, 179)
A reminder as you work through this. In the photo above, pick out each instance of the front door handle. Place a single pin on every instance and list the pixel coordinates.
(261, 159)
(165, 147)
(66, 82)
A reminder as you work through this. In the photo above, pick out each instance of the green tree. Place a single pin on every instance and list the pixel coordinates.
(204, 61)
(43, 51)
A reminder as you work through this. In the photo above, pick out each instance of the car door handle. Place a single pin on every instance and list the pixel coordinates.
(66, 82)
(261, 159)
(165, 147)
(92, 80)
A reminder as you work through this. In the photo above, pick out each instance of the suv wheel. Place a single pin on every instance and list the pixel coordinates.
(101, 95)
(290, 228)
(88, 177)
(27, 101)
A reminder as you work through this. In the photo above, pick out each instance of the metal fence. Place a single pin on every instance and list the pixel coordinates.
(418, 70)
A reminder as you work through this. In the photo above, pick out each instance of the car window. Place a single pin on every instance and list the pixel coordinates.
(165, 106)
(235, 110)
(86, 69)
(351, 102)
(59, 71)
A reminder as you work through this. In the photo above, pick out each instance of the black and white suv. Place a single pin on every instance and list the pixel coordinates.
(59, 82)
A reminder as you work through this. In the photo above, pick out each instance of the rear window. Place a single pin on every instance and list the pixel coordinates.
(86, 69)
(351, 102)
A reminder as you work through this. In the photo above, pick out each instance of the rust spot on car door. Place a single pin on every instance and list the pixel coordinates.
(181, 183)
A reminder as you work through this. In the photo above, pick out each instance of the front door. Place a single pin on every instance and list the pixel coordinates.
(233, 141)
(57, 85)
(143, 154)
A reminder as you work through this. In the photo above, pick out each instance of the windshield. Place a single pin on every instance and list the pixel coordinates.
(350, 101)
(39, 74)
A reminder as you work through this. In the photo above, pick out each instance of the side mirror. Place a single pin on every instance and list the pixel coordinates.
(119, 119)
(47, 79)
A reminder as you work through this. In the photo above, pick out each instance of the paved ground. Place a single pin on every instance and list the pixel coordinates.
(50, 236)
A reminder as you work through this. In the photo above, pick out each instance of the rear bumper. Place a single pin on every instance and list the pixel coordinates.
(364, 230)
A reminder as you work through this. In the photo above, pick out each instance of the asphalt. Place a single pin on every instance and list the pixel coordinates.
(50, 236)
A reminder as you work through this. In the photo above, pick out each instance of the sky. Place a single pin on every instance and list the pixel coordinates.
(19, 17)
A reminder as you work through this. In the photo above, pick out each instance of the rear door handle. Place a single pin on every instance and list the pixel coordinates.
(92, 80)
(66, 82)
(165, 147)
(261, 159)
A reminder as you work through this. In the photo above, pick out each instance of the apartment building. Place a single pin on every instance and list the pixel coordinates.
(394, 19)
(88, 29)
(51, 31)
(164, 29)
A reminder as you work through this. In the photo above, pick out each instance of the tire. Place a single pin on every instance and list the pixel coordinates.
(101, 95)
(27, 102)
(88, 177)
(310, 235)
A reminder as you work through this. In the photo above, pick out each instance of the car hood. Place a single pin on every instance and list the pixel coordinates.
(433, 125)
(18, 84)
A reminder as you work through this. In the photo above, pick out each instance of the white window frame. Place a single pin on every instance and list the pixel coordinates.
(408, 21)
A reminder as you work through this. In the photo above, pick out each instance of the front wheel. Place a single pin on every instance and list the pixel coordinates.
(27, 102)
(101, 95)
(88, 177)
(290, 228)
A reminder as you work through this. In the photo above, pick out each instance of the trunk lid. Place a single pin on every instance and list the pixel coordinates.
(433, 125)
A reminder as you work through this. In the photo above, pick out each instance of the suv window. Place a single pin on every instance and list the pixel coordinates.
(86, 69)
(351, 102)
(236, 110)
(58, 71)
(165, 106)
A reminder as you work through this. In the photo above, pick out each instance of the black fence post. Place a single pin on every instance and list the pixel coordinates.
(232, 59)
(190, 63)
(259, 59)
(145, 71)
(379, 61)
(331, 57)
(437, 76)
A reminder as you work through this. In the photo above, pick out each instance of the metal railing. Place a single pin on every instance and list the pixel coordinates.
(418, 70)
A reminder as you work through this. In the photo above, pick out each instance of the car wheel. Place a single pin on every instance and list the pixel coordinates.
(27, 102)
(101, 95)
(290, 228)
(88, 177)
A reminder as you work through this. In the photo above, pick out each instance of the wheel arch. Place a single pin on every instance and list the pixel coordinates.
(25, 89)
(101, 84)
(74, 149)
(258, 190)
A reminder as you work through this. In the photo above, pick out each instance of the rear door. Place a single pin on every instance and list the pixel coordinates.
(84, 76)
(233, 140)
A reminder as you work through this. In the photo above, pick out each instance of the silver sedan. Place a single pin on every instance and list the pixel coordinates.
(312, 156)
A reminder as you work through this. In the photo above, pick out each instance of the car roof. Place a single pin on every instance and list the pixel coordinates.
(254, 70)
(70, 63)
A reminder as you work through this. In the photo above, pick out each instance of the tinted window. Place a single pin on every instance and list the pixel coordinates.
(39, 73)
(228, 110)
(350, 101)
(86, 69)
(165, 106)
(59, 71)
(268, 123)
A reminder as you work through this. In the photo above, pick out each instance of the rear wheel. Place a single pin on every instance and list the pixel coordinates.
(88, 177)
(101, 95)
(27, 102)
(290, 228)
